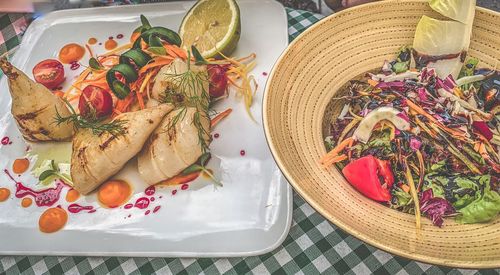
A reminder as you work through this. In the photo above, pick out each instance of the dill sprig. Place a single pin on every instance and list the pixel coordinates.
(98, 127)
(188, 90)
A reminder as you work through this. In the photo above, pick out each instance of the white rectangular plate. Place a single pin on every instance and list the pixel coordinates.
(250, 215)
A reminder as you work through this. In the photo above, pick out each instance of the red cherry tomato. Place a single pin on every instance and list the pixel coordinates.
(49, 73)
(218, 80)
(95, 98)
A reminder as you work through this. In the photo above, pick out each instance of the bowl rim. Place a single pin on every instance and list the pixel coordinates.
(360, 236)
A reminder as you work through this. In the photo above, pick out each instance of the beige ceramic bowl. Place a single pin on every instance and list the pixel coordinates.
(309, 74)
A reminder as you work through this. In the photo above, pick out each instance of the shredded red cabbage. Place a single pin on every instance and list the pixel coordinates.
(435, 208)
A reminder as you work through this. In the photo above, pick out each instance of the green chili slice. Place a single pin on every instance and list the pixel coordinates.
(139, 57)
(120, 89)
(166, 34)
(145, 23)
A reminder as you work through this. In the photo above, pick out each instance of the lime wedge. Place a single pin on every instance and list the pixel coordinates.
(212, 26)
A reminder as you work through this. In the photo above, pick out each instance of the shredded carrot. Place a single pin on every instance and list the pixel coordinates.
(405, 188)
(175, 51)
(338, 159)
(89, 49)
(123, 105)
(180, 179)
(457, 134)
(118, 49)
(219, 117)
(59, 94)
(156, 63)
(326, 160)
(76, 84)
(372, 82)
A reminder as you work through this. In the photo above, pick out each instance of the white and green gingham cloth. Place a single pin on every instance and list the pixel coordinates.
(313, 246)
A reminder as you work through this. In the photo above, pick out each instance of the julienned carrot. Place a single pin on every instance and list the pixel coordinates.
(90, 50)
(421, 111)
(178, 52)
(80, 78)
(219, 117)
(123, 105)
(372, 82)
(157, 62)
(338, 159)
(180, 179)
(118, 49)
(330, 156)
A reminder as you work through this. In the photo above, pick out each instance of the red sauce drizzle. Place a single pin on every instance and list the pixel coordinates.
(242, 152)
(156, 209)
(142, 203)
(150, 191)
(264, 73)
(216, 135)
(120, 36)
(152, 199)
(47, 197)
(147, 212)
(128, 206)
(76, 208)
(174, 192)
(74, 65)
(184, 186)
(6, 141)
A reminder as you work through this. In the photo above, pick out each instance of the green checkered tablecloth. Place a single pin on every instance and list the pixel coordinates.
(313, 246)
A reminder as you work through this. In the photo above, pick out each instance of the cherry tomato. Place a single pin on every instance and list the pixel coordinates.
(49, 73)
(95, 98)
(218, 80)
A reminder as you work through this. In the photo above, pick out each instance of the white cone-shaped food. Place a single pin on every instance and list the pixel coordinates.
(97, 158)
(169, 78)
(34, 107)
(443, 44)
(170, 150)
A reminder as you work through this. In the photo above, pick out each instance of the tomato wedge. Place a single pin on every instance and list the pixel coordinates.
(96, 99)
(49, 73)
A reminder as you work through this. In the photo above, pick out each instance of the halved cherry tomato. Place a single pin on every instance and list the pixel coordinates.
(218, 80)
(97, 99)
(49, 73)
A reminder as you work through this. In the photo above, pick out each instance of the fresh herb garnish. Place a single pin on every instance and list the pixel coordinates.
(199, 60)
(200, 166)
(95, 64)
(98, 126)
(191, 92)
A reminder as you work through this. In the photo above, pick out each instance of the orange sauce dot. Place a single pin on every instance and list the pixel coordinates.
(4, 194)
(114, 193)
(52, 220)
(26, 202)
(110, 44)
(20, 165)
(72, 195)
(92, 41)
(71, 53)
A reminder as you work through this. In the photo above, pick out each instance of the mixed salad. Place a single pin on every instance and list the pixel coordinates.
(422, 135)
